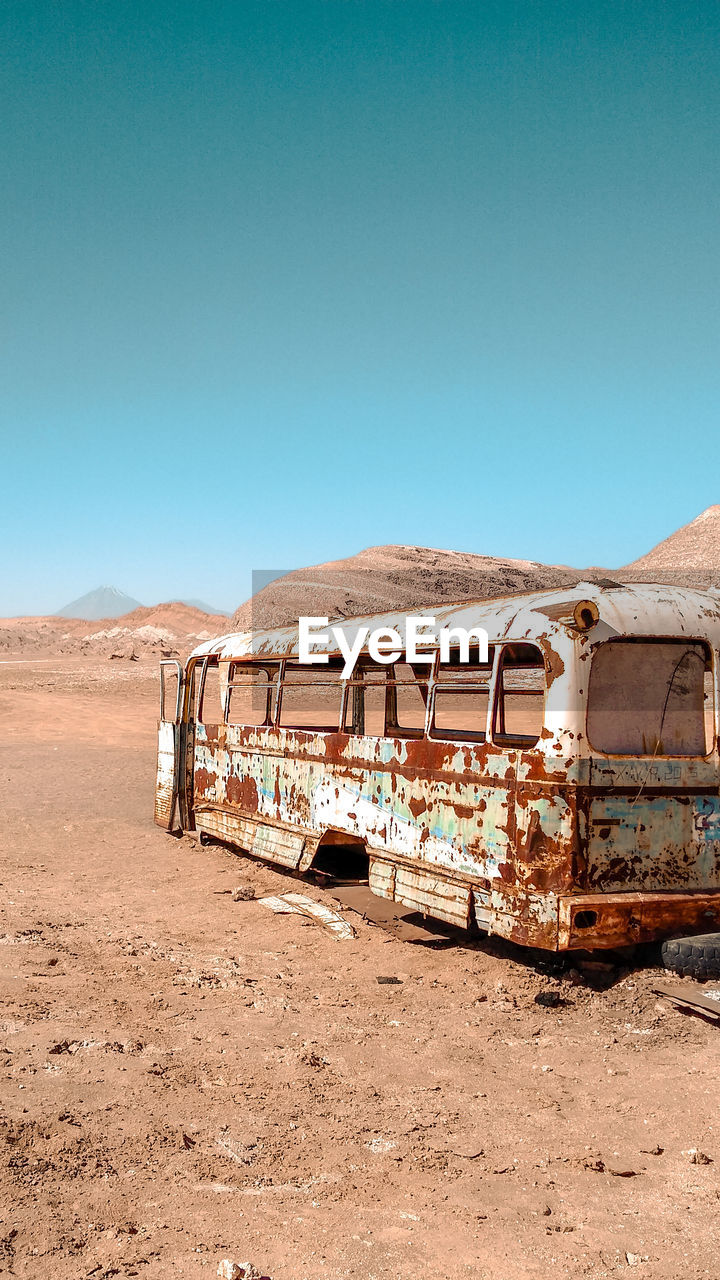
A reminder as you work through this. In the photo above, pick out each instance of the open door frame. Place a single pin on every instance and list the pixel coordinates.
(169, 756)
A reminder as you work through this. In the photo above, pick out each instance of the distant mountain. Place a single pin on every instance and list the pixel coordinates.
(693, 548)
(206, 608)
(103, 602)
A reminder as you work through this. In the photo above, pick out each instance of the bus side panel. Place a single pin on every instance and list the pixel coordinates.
(654, 825)
(443, 811)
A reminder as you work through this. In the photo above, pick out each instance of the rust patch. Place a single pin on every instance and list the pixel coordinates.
(463, 810)
(554, 664)
(204, 781)
(243, 792)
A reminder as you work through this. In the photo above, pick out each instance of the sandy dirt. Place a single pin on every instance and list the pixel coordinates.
(186, 1078)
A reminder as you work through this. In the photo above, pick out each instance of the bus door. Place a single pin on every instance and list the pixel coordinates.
(169, 757)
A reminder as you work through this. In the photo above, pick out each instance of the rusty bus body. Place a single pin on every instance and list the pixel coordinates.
(565, 795)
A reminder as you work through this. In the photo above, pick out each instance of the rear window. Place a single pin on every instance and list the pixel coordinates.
(651, 698)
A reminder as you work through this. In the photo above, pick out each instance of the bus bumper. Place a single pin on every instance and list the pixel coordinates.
(595, 920)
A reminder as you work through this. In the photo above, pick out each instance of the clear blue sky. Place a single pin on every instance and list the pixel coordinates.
(284, 280)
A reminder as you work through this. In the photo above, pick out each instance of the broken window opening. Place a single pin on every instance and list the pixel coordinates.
(211, 696)
(366, 700)
(519, 696)
(169, 692)
(407, 700)
(462, 699)
(311, 695)
(250, 693)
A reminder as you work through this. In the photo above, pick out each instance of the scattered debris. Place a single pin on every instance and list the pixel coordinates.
(379, 1145)
(689, 996)
(633, 1259)
(406, 924)
(243, 892)
(297, 903)
(698, 1157)
(551, 999)
(313, 1060)
(239, 1152)
(66, 1046)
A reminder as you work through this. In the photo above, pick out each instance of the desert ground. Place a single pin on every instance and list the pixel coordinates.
(186, 1078)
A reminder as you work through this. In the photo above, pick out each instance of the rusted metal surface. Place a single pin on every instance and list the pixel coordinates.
(379, 909)
(165, 780)
(515, 839)
(299, 904)
(263, 840)
(689, 996)
(616, 919)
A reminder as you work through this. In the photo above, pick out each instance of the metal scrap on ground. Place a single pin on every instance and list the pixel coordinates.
(297, 903)
(691, 996)
(405, 923)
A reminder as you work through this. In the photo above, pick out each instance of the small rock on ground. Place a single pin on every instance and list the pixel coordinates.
(243, 892)
(229, 1270)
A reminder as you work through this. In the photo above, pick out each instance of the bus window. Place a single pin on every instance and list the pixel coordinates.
(366, 697)
(408, 700)
(311, 696)
(250, 693)
(169, 691)
(649, 698)
(520, 696)
(211, 710)
(462, 697)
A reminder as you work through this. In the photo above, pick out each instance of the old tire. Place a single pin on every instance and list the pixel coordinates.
(697, 957)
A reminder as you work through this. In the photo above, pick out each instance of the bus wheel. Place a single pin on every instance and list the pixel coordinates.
(697, 957)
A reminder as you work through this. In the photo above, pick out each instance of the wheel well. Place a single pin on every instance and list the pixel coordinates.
(341, 857)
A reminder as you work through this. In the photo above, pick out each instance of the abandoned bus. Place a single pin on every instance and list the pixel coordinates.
(562, 794)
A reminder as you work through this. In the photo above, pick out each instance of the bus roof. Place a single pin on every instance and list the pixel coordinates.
(624, 609)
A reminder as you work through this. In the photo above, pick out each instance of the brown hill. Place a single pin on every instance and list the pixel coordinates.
(393, 577)
(182, 619)
(171, 627)
(692, 550)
